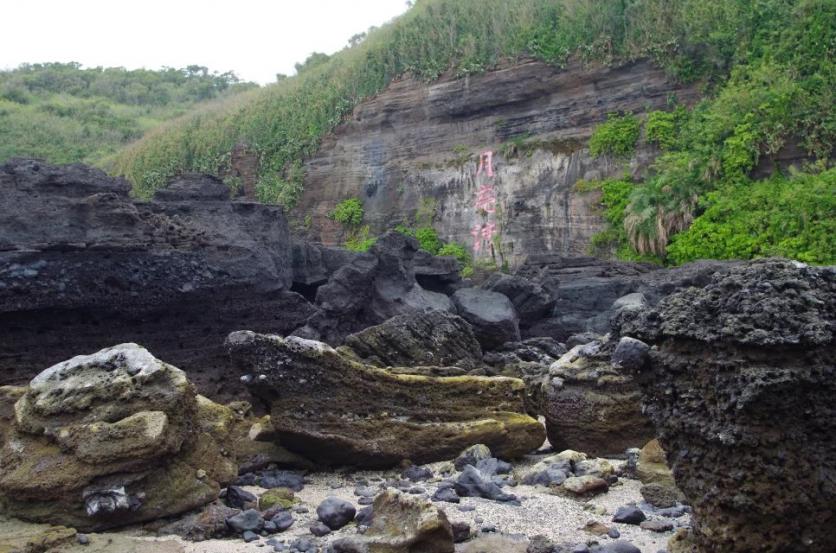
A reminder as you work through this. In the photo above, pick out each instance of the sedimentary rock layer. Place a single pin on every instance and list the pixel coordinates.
(83, 266)
(338, 411)
(418, 144)
(742, 389)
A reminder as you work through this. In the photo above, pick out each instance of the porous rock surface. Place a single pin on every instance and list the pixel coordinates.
(742, 388)
(337, 411)
(109, 439)
(83, 266)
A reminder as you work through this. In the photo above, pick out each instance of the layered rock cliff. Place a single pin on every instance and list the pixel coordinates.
(83, 267)
(420, 146)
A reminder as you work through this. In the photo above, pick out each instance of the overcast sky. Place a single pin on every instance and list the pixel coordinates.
(254, 38)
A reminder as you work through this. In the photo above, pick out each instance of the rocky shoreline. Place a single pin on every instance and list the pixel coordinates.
(182, 375)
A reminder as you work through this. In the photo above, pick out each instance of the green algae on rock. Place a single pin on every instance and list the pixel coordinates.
(110, 439)
(337, 411)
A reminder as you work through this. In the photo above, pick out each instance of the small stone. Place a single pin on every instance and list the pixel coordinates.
(365, 501)
(488, 529)
(585, 485)
(283, 520)
(249, 536)
(466, 508)
(657, 525)
(461, 531)
(630, 354)
(319, 529)
(614, 533)
(661, 495)
(621, 546)
(629, 514)
(596, 528)
(82, 539)
(364, 516)
(447, 495)
(201, 474)
(335, 513)
(417, 474)
(248, 520)
(238, 498)
(472, 455)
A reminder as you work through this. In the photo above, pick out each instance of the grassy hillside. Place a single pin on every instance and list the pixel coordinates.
(64, 113)
(767, 68)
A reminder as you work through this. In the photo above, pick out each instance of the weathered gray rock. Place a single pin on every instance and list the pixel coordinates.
(110, 439)
(401, 524)
(491, 314)
(742, 388)
(335, 512)
(432, 338)
(338, 411)
(531, 301)
(372, 288)
(592, 406)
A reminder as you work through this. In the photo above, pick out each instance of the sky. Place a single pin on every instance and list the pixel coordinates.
(255, 39)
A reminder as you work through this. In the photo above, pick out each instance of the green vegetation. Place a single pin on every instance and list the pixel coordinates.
(349, 212)
(284, 122)
(452, 249)
(63, 113)
(767, 69)
(661, 127)
(790, 217)
(617, 136)
(360, 240)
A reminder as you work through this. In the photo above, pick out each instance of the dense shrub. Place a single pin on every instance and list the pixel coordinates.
(617, 136)
(429, 240)
(789, 217)
(349, 212)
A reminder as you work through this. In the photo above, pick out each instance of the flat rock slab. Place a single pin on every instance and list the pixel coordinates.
(338, 411)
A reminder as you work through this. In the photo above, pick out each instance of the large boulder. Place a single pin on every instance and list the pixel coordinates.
(591, 405)
(531, 301)
(742, 387)
(84, 266)
(110, 439)
(372, 288)
(432, 338)
(338, 411)
(491, 314)
(401, 524)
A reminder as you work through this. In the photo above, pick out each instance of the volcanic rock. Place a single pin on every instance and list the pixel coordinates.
(491, 314)
(742, 388)
(433, 338)
(338, 411)
(83, 266)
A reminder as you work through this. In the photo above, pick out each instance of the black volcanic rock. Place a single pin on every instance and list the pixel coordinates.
(741, 386)
(433, 338)
(83, 266)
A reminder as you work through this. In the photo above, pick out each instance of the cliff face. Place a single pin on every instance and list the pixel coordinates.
(83, 267)
(423, 146)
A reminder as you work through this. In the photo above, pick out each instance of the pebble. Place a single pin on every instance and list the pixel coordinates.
(461, 532)
(319, 529)
(447, 495)
(248, 520)
(417, 474)
(238, 498)
(629, 514)
(249, 536)
(282, 521)
(82, 539)
(657, 525)
(335, 512)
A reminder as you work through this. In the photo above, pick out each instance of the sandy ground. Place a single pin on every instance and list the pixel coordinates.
(559, 518)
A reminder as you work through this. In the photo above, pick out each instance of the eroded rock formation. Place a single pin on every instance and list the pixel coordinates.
(593, 406)
(337, 411)
(83, 266)
(742, 389)
(110, 439)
